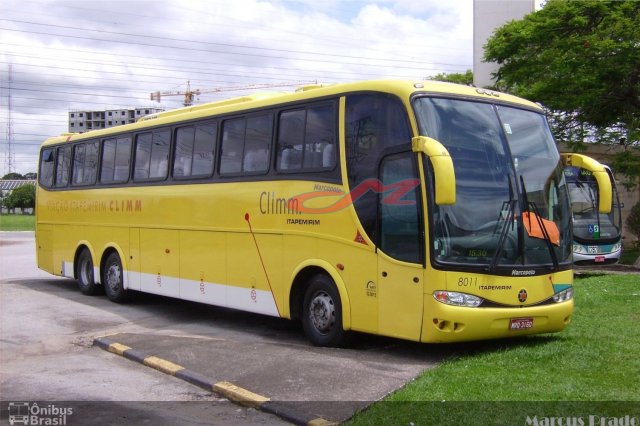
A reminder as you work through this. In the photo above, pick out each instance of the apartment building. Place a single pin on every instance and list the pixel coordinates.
(83, 121)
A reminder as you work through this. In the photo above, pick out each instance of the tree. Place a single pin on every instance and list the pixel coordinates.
(581, 60)
(458, 78)
(13, 176)
(23, 197)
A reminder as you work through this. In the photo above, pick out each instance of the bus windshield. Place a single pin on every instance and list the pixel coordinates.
(588, 225)
(512, 207)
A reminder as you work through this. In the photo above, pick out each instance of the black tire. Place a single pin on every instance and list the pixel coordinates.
(113, 280)
(322, 313)
(84, 274)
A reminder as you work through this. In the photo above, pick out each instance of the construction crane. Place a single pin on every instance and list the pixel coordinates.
(190, 94)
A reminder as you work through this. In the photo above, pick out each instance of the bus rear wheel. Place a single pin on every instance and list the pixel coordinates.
(322, 313)
(84, 274)
(113, 279)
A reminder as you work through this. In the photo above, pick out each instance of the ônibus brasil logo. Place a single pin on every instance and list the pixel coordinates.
(393, 195)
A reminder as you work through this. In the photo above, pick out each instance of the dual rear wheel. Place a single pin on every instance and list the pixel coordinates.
(112, 276)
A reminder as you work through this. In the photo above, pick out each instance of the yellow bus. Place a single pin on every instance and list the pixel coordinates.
(420, 210)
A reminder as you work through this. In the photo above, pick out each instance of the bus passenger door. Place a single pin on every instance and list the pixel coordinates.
(400, 248)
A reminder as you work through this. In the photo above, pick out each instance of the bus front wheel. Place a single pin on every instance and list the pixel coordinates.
(84, 274)
(322, 313)
(113, 279)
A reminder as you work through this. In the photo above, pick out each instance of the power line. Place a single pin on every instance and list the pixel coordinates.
(333, 41)
(209, 43)
(193, 49)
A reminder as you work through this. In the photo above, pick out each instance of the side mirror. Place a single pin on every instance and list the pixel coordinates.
(599, 173)
(445, 177)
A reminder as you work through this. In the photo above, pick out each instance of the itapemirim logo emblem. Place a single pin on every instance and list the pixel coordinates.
(30, 413)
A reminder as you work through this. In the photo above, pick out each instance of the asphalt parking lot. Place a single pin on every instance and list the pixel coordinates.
(266, 356)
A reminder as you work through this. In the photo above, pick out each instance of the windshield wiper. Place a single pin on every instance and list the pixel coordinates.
(545, 232)
(509, 219)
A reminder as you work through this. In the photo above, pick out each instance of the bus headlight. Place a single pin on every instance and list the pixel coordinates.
(579, 249)
(616, 247)
(457, 299)
(564, 295)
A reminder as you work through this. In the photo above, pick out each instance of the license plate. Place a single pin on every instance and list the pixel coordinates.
(593, 249)
(520, 323)
(600, 259)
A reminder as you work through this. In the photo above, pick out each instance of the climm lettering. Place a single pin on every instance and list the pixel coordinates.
(125, 206)
(270, 203)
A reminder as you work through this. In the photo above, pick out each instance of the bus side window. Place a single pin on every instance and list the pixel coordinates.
(306, 139)
(63, 163)
(47, 168)
(116, 157)
(85, 163)
(78, 164)
(159, 164)
(143, 156)
(257, 143)
(122, 160)
(184, 152)
(232, 146)
(108, 160)
(290, 139)
(152, 155)
(204, 149)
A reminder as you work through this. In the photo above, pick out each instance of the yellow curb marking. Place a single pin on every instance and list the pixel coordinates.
(117, 348)
(162, 365)
(240, 395)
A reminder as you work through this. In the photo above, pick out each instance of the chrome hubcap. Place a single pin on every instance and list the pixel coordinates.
(114, 276)
(322, 312)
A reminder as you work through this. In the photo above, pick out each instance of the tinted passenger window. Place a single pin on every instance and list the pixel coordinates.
(47, 164)
(85, 163)
(307, 139)
(232, 146)
(152, 155)
(116, 157)
(63, 164)
(257, 144)
(246, 144)
(195, 151)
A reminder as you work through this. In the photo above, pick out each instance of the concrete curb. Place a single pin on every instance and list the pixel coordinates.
(226, 389)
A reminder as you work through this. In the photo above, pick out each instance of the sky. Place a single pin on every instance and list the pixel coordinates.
(78, 55)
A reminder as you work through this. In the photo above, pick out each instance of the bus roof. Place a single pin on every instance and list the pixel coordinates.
(402, 88)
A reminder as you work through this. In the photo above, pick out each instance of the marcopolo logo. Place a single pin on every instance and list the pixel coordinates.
(522, 273)
(27, 413)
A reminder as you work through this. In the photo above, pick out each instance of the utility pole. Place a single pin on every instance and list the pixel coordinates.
(9, 132)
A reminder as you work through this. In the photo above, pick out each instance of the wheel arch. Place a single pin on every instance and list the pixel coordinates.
(301, 276)
(85, 245)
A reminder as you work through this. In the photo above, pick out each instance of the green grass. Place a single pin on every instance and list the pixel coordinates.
(597, 358)
(17, 222)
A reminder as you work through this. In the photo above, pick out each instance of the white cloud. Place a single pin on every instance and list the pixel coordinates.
(104, 54)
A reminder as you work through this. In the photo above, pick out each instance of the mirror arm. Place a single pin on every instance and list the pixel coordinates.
(599, 173)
